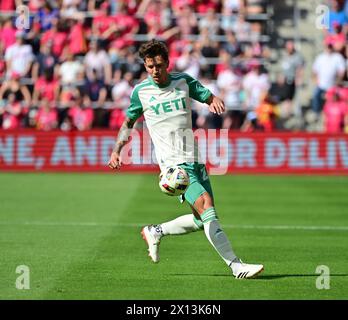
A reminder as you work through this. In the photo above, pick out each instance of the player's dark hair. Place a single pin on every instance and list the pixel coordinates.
(152, 49)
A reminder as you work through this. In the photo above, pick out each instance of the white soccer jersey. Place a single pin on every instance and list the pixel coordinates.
(167, 112)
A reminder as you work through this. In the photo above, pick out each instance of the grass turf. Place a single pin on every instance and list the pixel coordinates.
(79, 235)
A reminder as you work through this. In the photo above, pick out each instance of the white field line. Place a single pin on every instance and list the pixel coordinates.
(139, 225)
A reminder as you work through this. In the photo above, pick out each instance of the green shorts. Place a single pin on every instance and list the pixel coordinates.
(199, 182)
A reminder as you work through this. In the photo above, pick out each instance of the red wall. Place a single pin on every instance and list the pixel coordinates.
(29, 150)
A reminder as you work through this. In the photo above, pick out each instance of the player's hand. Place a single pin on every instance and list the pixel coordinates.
(216, 105)
(115, 161)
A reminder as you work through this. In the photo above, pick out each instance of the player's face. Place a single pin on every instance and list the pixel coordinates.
(157, 69)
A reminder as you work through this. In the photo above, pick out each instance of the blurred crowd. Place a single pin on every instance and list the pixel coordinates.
(74, 68)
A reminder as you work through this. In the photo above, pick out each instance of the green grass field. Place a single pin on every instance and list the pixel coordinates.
(79, 234)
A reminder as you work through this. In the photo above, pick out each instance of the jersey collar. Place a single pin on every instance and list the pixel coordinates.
(161, 85)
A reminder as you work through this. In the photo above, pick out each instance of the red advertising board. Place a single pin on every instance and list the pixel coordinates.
(223, 151)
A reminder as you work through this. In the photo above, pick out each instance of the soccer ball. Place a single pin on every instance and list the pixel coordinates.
(174, 181)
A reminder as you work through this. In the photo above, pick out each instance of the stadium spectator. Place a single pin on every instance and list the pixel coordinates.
(45, 15)
(250, 123)
(255, 84)
(45, 61)
(81, 113)
(292, 68)
(201, 117)
(191, 60)
(98, 60)
(46, 87)
(95, 90)
(35, 5)
(11, 113)
(7, 34)
(232, 46)
(210, 22)
(337, 38)
(103, 24)
(230, 11)
(19, 56)
(7, 5)
(57, 35)
(186, 20)
(334, 111)
(121, 86)
(76, 42)
(122, 89)
(230, 86)
(203, 6)
(122, 29)
(13, 86)
(266, 114)
(70, 70)
(242, 29)
(337, 15)
(46, 118)
(71, 9)
(132, 65)
(328, 70)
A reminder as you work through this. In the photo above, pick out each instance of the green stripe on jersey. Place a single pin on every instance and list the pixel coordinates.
(135, 108)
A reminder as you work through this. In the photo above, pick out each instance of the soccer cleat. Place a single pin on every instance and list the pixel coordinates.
(152, 241)
(244, 270)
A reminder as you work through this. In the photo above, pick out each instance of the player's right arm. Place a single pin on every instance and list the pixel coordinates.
(134, 111)
(121, 141)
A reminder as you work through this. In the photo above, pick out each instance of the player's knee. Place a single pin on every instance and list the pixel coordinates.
(203, 203)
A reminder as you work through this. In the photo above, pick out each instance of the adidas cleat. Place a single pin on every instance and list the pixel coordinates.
(153, 243)
(244, 270)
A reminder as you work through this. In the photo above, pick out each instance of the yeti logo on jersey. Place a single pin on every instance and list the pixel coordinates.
(169, 106)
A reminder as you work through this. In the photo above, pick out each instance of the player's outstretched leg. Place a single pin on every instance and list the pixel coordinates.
(222, 245)
(152, 234)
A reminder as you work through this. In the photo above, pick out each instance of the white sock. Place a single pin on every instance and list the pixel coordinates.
(217, 237)
(181, 225)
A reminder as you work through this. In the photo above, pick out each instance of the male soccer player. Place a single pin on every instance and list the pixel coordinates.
(164, 100)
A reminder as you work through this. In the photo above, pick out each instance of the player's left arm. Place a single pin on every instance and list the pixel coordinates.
(216, 105)
(200, 93)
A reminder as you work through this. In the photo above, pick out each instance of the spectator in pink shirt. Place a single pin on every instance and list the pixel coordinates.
(11, 113)
(102, 22)
(7, 34)
(7, 5)
(46, 87)
(337, 38)
(76, 38)
(334, 112)
(82, 114)
(47, 117)
(57, 36)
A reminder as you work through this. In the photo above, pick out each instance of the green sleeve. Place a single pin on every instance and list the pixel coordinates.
(196, 90)
(135, 110)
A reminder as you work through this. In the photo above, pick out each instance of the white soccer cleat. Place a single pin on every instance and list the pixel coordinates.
(244, 270)
(153, 243)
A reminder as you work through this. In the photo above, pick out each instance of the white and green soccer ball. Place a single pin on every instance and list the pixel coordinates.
(174, 181)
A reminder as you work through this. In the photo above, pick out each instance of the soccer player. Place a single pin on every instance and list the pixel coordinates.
(163, 99)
